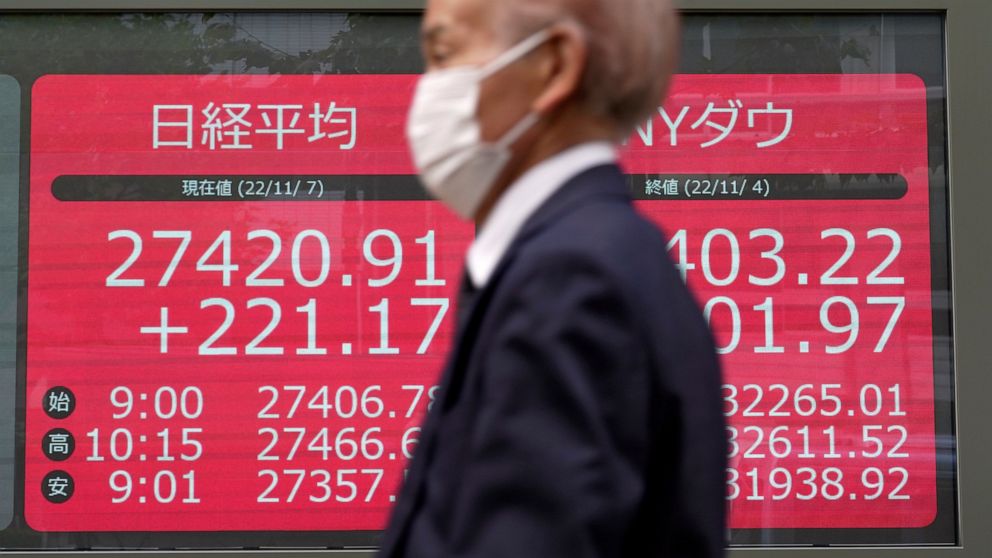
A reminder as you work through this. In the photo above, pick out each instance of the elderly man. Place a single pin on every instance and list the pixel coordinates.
(579, 414)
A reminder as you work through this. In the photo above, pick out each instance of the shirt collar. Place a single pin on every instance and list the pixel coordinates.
(523, 198)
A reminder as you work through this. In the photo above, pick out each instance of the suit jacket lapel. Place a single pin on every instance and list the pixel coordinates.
(604, 180)
(450, 384)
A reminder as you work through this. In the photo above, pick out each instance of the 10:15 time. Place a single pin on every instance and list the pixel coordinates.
(120, 445)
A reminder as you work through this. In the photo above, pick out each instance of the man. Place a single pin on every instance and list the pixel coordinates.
(579, 414)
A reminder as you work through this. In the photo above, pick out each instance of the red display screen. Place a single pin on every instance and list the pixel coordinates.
(239, 300)
(812, 259)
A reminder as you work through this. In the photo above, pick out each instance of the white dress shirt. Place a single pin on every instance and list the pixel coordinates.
(523, 198)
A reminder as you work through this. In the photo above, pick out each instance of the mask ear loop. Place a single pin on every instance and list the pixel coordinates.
(510, 56)
(515, 53)
(518, 130)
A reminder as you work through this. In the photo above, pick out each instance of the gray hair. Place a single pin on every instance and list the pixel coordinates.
(633, 50)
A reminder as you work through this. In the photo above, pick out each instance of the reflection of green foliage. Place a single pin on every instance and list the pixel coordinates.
(377, 44)
(209, 43)
(851, 48)
(75, 43)
(772, 44)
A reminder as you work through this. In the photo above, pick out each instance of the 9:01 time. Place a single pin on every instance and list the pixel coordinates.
(166, 487)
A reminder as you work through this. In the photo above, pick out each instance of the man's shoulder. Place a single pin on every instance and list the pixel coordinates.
(605, 233)
(596, 230)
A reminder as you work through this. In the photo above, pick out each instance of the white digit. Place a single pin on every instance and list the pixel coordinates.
(900, 303)
(903, 434)
(253, 279)
(124, 487)
(341, 441)
(310, 309)
(372, 405)
(832, 477)
(128, 444)
(383, 349)
(253, 347)
(771, 255)
(828, 277)
(734, 476)
(300, 392)
(735, 257)
(190, 477)
(878, 485)
(264, 413)
(372, 448)
(264, 454)
(874, 278)
(184, 405)
(396, 260)
(323, 483)
(810, 482)
(300, 475)
(127, 404)
(223, 243)
(207, 348)
(759, 439)
(682, 263)
(319, 402)
(352, 396)
(755, 494)
(264, 497)
(375, 483)
(431, 280)
(775, 412)
(851, 328)
(189, 441)
(775, 440)
(785, 486)
(894, 494)
(825, 396)
(735, 447)
(442, 304)
(320, 444)
(769, 347)
(325, 259)
(184, 238)
(163, 410)
(871, 412)
(300, 433)
(114, 280)
(799, 398)
(419, 393)
(759, 393)
(735, 315)
(867, 438)
(169, 496)
(410, 438)
(343, 483)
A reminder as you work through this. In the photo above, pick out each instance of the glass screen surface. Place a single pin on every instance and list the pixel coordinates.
(234, 297)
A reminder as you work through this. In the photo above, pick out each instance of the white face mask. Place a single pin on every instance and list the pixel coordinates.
(455, 165)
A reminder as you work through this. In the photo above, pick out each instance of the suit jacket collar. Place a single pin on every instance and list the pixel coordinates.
(525, 196)
(600, 181)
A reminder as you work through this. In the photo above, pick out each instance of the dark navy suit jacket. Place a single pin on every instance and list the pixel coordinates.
(579, 414)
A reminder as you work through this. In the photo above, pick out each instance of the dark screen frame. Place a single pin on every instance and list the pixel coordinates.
(969, 76)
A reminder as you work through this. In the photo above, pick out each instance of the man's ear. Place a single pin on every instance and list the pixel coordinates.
(563, 70)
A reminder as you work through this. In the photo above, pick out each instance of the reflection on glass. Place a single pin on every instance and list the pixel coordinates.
(841, 219)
